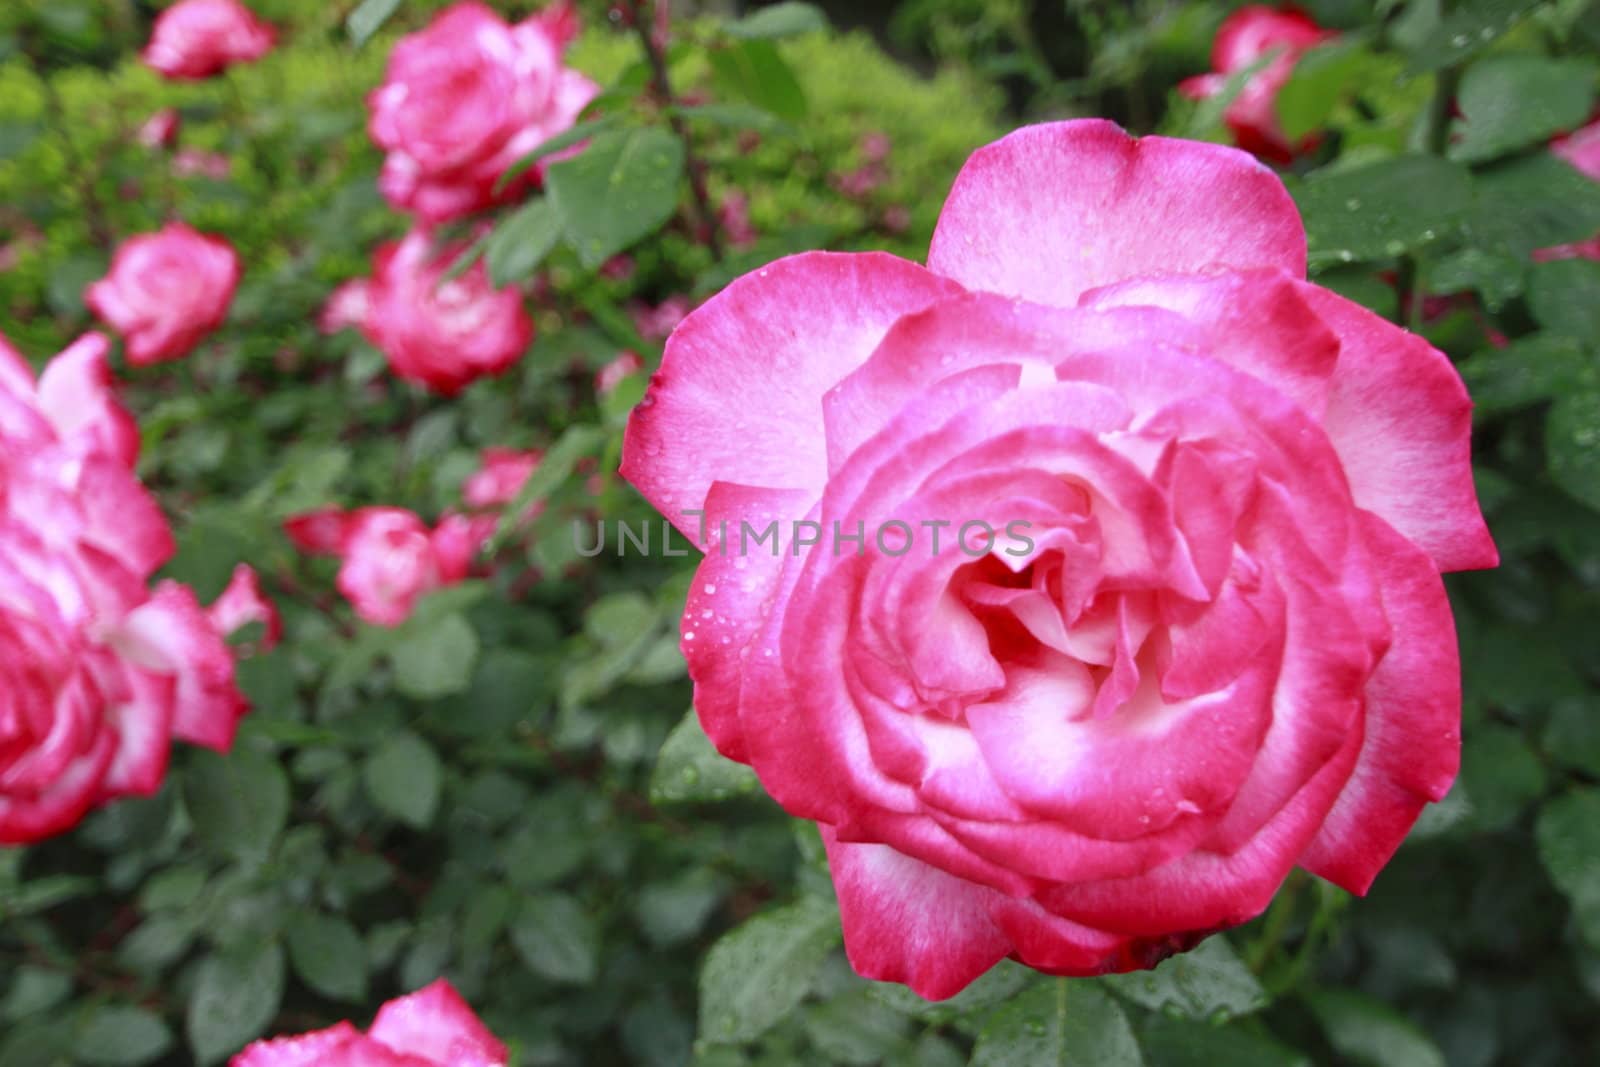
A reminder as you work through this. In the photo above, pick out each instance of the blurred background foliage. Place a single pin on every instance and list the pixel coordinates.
(506, 789)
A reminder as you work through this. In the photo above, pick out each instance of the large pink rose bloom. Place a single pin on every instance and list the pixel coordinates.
(1220, 646)
(442, 334)
(195, 39)
(432, 1027)
(100, 670)
(1582, 150)
(1244, 38)
(166, 291)
(389, 558)
(466, 98)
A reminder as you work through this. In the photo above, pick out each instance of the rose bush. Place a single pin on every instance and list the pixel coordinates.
(1226, 650)
(101, 671)
(432, 1027)
(166, 291)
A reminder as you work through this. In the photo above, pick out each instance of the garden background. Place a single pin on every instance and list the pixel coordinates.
(508, 788)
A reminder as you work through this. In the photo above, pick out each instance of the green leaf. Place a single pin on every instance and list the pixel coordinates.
(1367, 1031)
(998, 984)
(235, 995)
(756, 72)
(619, 190)
(1207, 982)
(1061, 1022)
(521, 241)
(556, 939)
(1572, 444)
(780, 20)
(1170, 1042)
(1532, 202)
(368, 18)
(1501, 774)
(736, 117)
(1206, 122)
(117, 1035)
(328, 955)
(1568, 832)
(1382, 210)
(1530, 370)
(402, 778)
(565, 139)
(34, 991)
(759, 971)
(1468, 30)
(690, 769)
(436, 660)
(239, 803)
(1564, 297)
(855, 1029)
(1511, 101)
(1322, 78)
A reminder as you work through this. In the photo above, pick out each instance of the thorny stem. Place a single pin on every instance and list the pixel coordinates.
(661, 89)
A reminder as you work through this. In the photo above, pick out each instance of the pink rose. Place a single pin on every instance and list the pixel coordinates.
(654, 323)
(243, 603)
(160, 130)
(1582, 150)
(389, 557)
(101, 671)
(196, 39)
(1247, 35)
(442, 334)
(466, 98)
(1206, 638)
(500, 478)
(347, 305)
(432, 1027)
(198, 163)
(616, 372)
(166, 291)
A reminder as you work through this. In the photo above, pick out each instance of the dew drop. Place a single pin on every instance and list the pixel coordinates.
(710, 588)
(688, 635)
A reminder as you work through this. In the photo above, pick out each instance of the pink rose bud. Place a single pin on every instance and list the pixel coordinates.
(466, 98)
(614, 373)
(500, 478)
(242, 604)
(618, 268)
(1100, 585)
(1247, 35)
(101, 671)
(166, 291)
(196, 39)
(160, 130)
(442, 334)
(655, 323)
(432, 1027)
(875, 147)
(347, 305)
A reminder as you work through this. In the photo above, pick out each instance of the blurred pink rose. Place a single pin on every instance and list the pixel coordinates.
(466, 98)
(160, 130)
(432, 1027)
(243, 603)
(389, 557)
(100, 671)
(498, 481)
(196, 39)
(612, 374)
(1582, 150)
(1249, 34)
(347, 305)
(442, 334)
(734, 215)
(166, 291)
(655, 323)
(198, 163)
